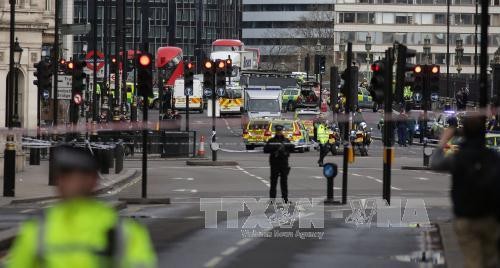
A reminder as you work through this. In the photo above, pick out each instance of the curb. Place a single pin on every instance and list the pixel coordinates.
(7, 236)
(208, 163)
(414, 143)
(128, 176)
(451, 250)
(157, 158)
(415, 168)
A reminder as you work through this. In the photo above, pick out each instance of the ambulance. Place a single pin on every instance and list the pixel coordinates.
(195, 101)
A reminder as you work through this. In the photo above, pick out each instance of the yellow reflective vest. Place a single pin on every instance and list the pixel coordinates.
(323, 134)
(81, 233)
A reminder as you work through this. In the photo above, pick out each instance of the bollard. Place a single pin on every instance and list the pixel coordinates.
(427, 151)
(9, 168)
(52, 179)
(103, 160)
(330, 172)
(163, 145)
(34, 156)
(119, 155)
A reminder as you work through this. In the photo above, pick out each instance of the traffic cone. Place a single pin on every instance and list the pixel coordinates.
(201, 149)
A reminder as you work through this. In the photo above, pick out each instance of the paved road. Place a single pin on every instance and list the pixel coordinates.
(182, 240)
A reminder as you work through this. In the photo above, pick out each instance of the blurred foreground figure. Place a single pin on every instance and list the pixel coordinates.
(475, 174)
(80, 231)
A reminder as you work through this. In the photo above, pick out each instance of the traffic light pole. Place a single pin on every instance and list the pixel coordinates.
(55, 62)
(347, 124)
(94, 60)
(214, 121)
(145, 48)
(388, 126)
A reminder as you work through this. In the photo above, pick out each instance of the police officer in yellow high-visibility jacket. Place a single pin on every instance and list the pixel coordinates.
(323, 137)
(80, 231)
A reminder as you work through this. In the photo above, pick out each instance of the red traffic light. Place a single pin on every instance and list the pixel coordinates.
(71, 65)
(229, 62)
(208, 65)
(435, 69)
(221, 65)
(190, 65)
(62, 61)
(144, 60)
(113, 60)
(417, 69)
(376, 67)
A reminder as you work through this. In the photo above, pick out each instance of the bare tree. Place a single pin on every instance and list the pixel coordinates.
(276, 51)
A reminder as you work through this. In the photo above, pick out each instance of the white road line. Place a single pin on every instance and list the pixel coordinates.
(317, 177)
(27, 210)
(229, 251)
(243, 241)
(422, 178)
(370, 177)
(214, 261)
(396, 188)
(357, 175)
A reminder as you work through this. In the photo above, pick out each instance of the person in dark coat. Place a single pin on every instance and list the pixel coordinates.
(279, 148)
(474, 191)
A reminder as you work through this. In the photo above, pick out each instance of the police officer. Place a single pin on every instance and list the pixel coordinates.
(324, 147)
(279, 148)
(80, 231)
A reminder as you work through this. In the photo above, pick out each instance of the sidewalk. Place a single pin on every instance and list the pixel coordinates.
(32, 184)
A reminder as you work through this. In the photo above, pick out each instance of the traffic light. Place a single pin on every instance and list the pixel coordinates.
(208, 75)
(350, 88)
(319, 64)
(229, 67)
(188, 78)
(113, 65)
(220, 73)
(402, 67)
(334, 86)
(434, 72)
(378, 83)
(77, 88)
(78, 76)
(418, 78)
(322, 64)
(43, 75)
(145, 75)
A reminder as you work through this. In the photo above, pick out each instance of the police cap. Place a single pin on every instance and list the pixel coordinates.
(278, 128)
(71, 158)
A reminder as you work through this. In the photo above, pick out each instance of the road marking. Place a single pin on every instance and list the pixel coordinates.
(187, 179)
(214, 261)
(229, 251)
(185, 190)
(27, 210)
(317, 177)
(243, 241)
(370, 177)
(357, 175)
(422, 178)
(396, 188)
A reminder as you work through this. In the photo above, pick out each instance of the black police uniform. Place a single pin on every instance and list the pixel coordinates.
(279, 149)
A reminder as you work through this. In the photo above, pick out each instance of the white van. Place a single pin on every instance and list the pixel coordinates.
(195, 101)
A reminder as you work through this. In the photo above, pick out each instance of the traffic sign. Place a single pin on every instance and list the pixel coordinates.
(434, 96)
(207, 92)
(64, 93)
(221, 92)
(64, 81)
(89, 58)
(45, 95)
(188, 91)
(75, 29)
(330, 170)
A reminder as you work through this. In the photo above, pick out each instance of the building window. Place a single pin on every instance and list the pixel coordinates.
(440, 19)
(402, 19)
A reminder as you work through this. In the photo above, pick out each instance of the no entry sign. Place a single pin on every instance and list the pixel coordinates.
(89, 58)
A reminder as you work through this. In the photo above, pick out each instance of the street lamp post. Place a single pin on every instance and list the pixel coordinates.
(459, 52)
(342, 52)
(18, 51)
(368, 48)
(317, 67)
(427, 49)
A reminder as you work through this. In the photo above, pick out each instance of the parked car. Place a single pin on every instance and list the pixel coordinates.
(256, 133)
(294, 131)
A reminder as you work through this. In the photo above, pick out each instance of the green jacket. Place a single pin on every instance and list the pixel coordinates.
(81, 233)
